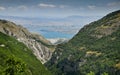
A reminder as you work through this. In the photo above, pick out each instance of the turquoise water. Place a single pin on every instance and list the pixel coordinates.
(51, 34)
(45, 32)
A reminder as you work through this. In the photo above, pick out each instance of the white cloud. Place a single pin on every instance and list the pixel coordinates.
(91, 7)
(2, 8)
(46, 5)
(22, 7)
(43, 5)
(113, 4)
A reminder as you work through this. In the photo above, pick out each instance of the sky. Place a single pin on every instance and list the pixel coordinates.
(56, 18)
(57, 8)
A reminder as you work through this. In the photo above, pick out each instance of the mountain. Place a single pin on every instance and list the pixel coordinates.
(40, 47)
(94, 50)
(17, 59)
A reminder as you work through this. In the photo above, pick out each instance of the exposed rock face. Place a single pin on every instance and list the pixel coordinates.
(33, 41)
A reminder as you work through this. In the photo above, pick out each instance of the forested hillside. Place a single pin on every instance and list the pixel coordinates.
(94, 50)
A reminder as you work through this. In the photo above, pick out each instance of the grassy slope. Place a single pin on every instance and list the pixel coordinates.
(14, 48)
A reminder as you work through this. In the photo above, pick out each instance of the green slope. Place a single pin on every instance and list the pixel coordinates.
(17, 59)
(95, 50)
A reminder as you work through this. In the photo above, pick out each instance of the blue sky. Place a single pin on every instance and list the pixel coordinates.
(57, 8)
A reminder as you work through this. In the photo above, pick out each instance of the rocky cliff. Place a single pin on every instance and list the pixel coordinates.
(37, 43)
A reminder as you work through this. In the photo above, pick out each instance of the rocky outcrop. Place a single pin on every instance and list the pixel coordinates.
(35, 42)
(56, 41)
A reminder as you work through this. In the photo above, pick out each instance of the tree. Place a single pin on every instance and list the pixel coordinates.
(14, 66)
(91, 73)
(104, 73)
